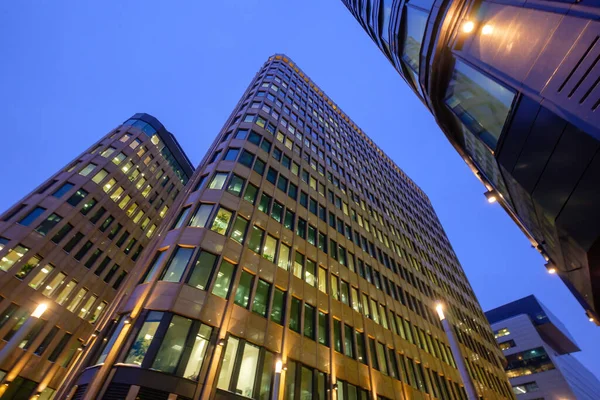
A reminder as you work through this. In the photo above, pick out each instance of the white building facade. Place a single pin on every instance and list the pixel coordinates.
(538, 351)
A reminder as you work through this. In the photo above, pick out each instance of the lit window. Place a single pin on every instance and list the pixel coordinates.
(174, 270)
(13, 256)
(203, 269)
(140, 346)
(41, 276)
(221, 221)
(87, 169)
(218, 181)
(501, 332)
(238, 232)
(223, 279)
(269, 248)
(172, 345)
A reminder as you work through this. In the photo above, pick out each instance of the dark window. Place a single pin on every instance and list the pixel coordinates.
(77, 197)
(49, 223)
(83, 250)
(73, 242)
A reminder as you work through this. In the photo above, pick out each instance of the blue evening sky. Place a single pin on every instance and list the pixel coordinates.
(72, 71)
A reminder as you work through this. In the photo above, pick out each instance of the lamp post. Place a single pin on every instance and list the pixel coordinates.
(277, 380)
(22, 332)
(460, 362)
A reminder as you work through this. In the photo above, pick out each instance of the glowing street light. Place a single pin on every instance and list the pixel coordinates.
(468, 27)
(39, 310)
(491, 196)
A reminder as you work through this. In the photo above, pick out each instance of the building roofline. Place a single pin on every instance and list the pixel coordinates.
(320, 92)
(169, 140)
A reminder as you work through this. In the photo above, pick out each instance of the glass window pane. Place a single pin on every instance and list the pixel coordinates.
(381, 358)
(309, 321)
(172, 345)
(248, 367)
(218, 181)
(221, 222)
(41, 276)
(284, 256)
(256, 238)
(295, 314)
(13, 255)
(337, 335)
(277, 310)
(156, 264)
(323, 328)
(261, 298)
(242, 295)
(266, 376)
(479, 102)
(62, 297)
(290, 381)
(238, 232)
(228, 363)
(348, 341)
(176, 267)
(306, 384)
(322, 279)
(202, 270)
(194, 363)
(223, 280)
(137, 352)
(269, 248)
(201, 216)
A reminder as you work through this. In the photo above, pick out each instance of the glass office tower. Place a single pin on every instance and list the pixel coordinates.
(71, 244)
(300, 263)
(514, 86)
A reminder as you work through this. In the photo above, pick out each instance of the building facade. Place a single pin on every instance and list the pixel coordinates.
(301, 262)
(514, 87)
(71, 244)
(538, 350)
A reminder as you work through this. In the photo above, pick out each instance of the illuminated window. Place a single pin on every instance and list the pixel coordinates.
(501, 332)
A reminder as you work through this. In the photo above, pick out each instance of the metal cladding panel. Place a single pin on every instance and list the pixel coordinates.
(570, 158)
(581, 214)
(538, 148)
(516, 135)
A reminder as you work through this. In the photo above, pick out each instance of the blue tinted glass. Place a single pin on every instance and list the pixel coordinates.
(33, 214)
(149, 130)
(60, 192)
(479, 102)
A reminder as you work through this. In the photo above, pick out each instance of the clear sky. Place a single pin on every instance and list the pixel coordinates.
(72, 71)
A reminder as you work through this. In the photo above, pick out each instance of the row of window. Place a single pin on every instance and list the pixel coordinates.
(198, 273)
(426, 233)
(246, 158)
(14, 312)
(269, 250)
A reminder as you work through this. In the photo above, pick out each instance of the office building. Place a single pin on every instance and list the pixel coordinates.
(538, 352)
(301, 262)
(71, 243)
(514, 86)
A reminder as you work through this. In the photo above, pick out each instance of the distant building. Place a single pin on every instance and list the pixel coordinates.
(72, 242)
(515, 87)
(538, 351)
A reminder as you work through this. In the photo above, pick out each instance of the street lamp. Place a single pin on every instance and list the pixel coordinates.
(460, 362)
(22, 332)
